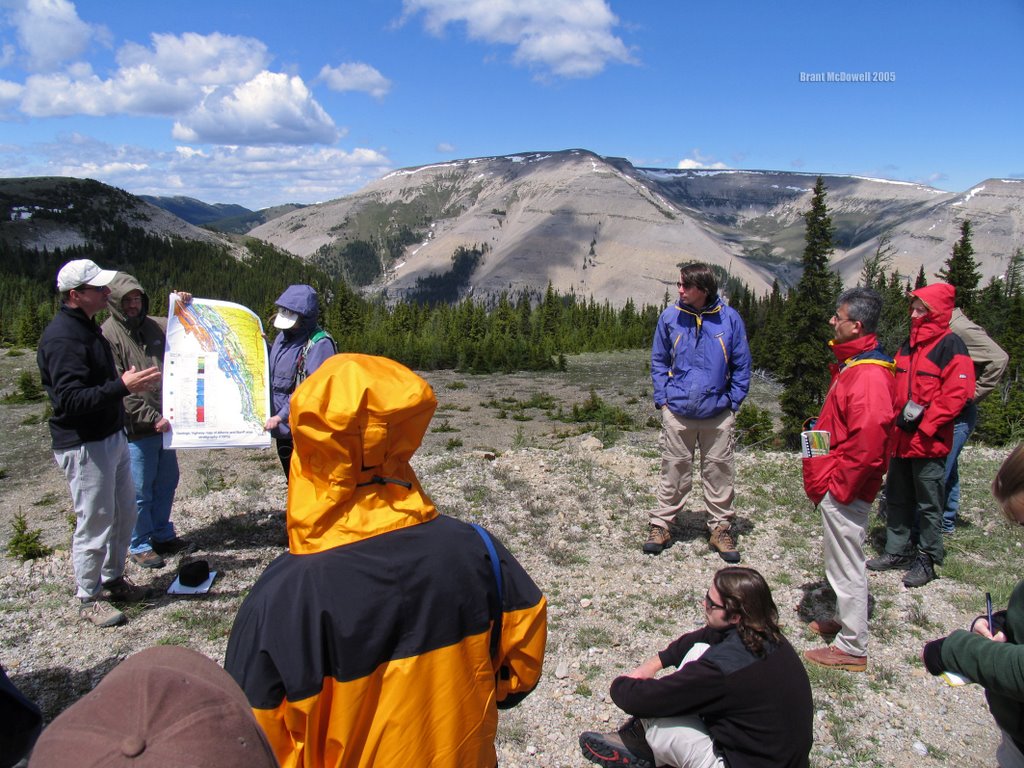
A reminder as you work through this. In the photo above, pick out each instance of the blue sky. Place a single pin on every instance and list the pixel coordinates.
(261, 103)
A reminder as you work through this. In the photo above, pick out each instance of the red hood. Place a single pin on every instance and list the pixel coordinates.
(940, 299)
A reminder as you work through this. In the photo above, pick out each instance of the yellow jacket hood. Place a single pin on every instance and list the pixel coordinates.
(356, 422)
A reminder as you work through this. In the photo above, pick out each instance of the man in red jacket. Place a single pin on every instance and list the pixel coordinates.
(934, 381)
(858, 415)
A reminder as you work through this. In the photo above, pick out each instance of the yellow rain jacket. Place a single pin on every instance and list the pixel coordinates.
(370, 641)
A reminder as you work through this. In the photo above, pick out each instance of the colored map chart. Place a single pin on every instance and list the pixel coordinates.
(215, 384)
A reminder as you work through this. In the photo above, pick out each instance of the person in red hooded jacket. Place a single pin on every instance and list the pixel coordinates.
(858, 416)
(934, 381)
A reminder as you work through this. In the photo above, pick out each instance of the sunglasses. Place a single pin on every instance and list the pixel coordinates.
(711, 603)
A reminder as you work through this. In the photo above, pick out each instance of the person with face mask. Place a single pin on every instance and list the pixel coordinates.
(299, 349)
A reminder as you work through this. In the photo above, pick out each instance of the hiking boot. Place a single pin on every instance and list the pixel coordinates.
(100, 613)
(634, 737)
(608, 750)
(657, 539)
(825, 627)
(921, 573)
(721, 541)
(121, 590)
(147, 559)
(889, 562)
(173, 546)
(833, 658)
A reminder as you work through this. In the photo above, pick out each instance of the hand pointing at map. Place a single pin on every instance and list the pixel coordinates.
(140, 381)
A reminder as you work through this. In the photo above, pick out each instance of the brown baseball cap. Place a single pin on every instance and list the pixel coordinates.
(165, 706)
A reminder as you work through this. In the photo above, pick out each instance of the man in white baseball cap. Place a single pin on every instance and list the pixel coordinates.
(89, 443)
(83, 272)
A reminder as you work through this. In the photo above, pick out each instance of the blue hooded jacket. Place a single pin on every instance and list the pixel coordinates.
(700, 361)
(287, 347)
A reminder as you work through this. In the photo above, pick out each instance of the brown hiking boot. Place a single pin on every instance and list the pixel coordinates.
(825, 627)
(657, 539)
(721, 541)
(833, 658)
(121, 590)
(100, 613)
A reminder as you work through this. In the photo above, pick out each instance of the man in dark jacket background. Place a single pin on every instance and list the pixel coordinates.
(89, 445)
(700, 369)
(934, 381)
(138, 339)
(298, 350)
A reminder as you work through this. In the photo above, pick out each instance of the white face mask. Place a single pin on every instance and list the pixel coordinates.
(285, 318)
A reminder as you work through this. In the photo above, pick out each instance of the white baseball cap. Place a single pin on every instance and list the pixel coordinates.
(286, 319)
(83, 272)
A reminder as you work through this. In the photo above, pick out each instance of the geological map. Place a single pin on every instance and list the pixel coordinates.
(215, 383)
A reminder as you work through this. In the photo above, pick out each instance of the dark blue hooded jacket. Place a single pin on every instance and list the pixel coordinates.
(287, 347)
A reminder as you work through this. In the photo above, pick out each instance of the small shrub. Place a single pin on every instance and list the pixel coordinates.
(29, 390)
(753, 425)
(452, 444)
(26, 544)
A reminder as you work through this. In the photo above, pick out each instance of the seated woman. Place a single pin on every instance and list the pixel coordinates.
(993, 656)
(739, 696)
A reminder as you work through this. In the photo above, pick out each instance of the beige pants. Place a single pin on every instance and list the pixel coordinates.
(679, 438)
(683, 742)
(845, 526)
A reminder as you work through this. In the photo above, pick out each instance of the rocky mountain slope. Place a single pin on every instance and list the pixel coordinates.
(600, 226)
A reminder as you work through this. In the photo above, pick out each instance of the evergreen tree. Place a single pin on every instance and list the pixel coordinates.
(921, 280)
(961, 270)
(873, 271)
(804, 351)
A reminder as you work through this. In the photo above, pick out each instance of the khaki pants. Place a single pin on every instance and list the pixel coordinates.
(845, 527)
(679, 438)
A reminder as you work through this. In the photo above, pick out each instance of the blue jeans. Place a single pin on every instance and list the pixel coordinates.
(155, 472)
(963, 426)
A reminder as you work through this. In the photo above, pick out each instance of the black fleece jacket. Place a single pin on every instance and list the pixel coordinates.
(759, 711)
(78, 373)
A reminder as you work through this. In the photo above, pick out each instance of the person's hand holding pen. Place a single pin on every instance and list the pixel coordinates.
(984, 628)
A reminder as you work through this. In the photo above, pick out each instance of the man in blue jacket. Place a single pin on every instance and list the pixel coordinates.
(700, 367)
(298, 350)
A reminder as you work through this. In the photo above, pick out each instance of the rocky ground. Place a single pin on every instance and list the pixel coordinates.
(568, 499)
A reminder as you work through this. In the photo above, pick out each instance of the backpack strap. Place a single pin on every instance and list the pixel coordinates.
(300, 365)
(492, 553)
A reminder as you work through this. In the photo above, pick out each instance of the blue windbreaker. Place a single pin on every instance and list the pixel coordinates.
(700, 361)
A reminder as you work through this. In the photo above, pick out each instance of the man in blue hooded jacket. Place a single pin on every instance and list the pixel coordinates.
(300, 348)
(700, 368)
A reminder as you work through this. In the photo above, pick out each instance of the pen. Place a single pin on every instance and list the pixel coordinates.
(988, 610)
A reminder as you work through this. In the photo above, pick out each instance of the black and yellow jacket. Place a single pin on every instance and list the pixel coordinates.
(369, 642)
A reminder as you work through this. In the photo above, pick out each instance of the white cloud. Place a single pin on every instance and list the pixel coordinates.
(569, 38)
(50, 33)
(140, 91)
(170, 78)
(214, 59)
(445, 148)
(9, 94)
(356, 76)
(256, 177)
(698, 161)
(272, 108)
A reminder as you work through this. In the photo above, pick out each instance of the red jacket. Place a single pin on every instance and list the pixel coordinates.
(933, 369)
(858, 415)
